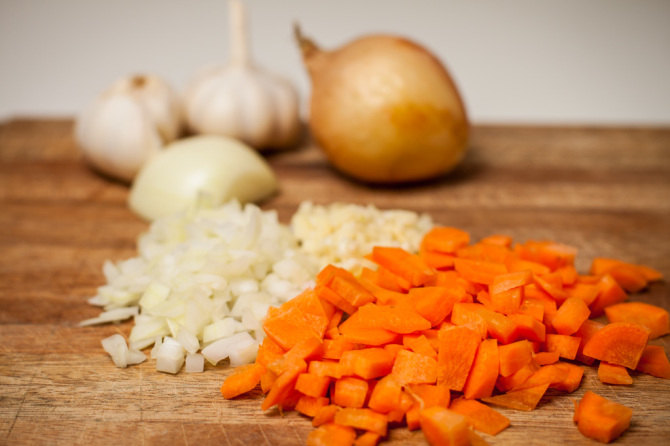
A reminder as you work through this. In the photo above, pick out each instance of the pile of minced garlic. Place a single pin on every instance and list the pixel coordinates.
(204, 279)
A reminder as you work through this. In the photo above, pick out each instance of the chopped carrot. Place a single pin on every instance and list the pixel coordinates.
(349, 392)
(552, 284)
(568, 274)
(356, 330)
(654, 318)
(650, 274)
(468, 314)
(573, 379)
(243, 379)
(508, 301)
(356, 353)
(395, 318)
(620, 343)
(411, 368)
(308, 349)
(631, 277)
(268, 352)
(480, 416)
(383, 296)
(479, 271)
(425, 396)
(435, 303)
(437, 260)
(610, 293)
(325, 414)
(332, 434)
(515, 264)
(527, 327)
(546, 358)
(484, 372)
(497, 239)
(310, 405)
(408, 266)
(584, 291)
(514, 356)
(420, 344)
(267, 380)
(367, 439)
(585, 332)
(515, 380)
(654, 362)
(367, 363)
(566, 346)
(442, 427)
(486, 252)
(334, 348)
(570, 316)
(506, 282)
(283, 385)
(525, 399)
(335, 299)
(458, 347)
(312, 385)
(445, 239)
(601, 419)
(325, 368)
(366, 419)
(613, 374)
(553, 255)
(351, 291)
(386, 395)
(404, 405)
(289, 328)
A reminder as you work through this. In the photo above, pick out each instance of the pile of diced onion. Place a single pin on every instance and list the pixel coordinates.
(204, 279)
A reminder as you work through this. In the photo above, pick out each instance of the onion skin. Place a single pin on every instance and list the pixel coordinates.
(385, 110)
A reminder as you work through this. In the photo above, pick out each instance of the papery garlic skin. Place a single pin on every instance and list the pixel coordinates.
(127, 124)
(241, 100)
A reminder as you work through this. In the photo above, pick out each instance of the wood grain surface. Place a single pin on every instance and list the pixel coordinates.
(603, 190)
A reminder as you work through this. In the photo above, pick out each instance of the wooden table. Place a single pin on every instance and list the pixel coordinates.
(604, 190)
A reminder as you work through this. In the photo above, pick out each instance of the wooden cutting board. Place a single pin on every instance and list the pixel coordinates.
(603, 190)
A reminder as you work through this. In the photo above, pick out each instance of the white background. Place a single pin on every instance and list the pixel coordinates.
(517, 61)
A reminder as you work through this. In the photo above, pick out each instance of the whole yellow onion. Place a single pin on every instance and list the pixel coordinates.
(384, 109)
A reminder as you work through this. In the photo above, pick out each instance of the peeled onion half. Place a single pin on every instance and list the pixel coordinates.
(384, 109)
(200, 169)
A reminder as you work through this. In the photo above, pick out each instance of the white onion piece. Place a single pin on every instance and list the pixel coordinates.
(223, 348)
(115, 315)
(188, 340)
(157, 345)
(170, 356)
(156, 293)
(194, 363)
(243, 352)
(219, 329)
(117, 348)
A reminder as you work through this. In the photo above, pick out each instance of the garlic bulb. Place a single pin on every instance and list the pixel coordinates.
(241, 100)
(128, 123)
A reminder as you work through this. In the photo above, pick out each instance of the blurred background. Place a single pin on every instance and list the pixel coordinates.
(519, 61)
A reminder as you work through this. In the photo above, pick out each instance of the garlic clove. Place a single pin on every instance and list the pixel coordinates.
(127, 124)
(201, 169)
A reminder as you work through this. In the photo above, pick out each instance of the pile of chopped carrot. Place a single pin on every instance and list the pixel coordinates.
(433, 340)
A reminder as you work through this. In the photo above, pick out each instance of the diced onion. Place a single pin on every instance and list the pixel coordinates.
(122, 356)
(204, 279)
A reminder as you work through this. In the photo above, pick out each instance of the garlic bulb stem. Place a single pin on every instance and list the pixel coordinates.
(239, 34)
